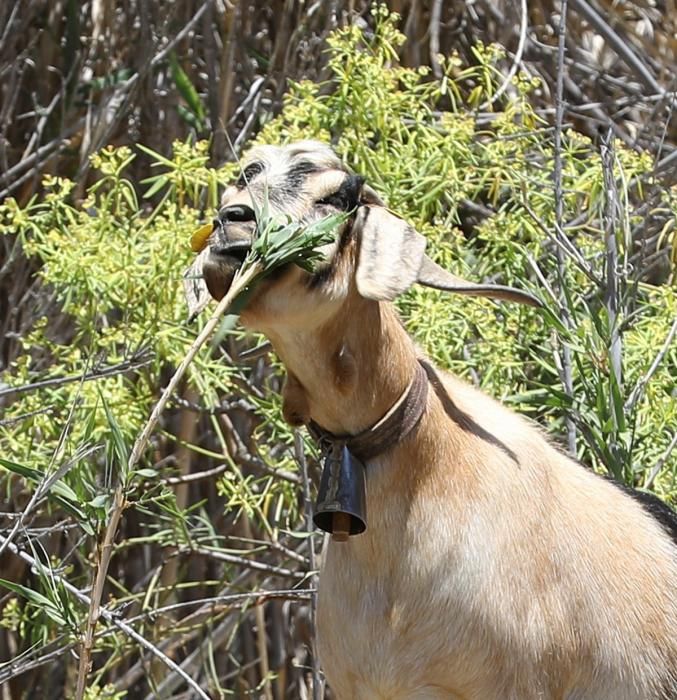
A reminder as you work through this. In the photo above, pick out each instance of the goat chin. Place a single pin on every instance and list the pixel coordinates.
(218, 273)
(493, 567)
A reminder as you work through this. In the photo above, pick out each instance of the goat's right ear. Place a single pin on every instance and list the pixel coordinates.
(390, 253)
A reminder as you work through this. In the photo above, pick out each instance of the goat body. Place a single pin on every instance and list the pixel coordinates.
(493, 567)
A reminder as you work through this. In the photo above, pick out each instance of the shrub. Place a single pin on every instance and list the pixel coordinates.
(477, 183)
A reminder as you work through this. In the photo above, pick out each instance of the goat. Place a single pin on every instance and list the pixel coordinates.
(493, 566)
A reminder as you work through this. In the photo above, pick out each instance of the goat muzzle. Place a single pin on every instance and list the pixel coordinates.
(226, 255)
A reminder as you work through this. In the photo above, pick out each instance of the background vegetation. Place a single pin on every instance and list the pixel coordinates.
(118, 125)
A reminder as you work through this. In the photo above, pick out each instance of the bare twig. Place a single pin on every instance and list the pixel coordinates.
(113, 370)
(613, 289)
(567, 368)
(50, 476)
(246, 563)
(661, 462)
(230, 600)
(118, 102)
(20, 665)
(563, 244)
(111, 619)
(243, 277)
(434, 31)
(639, 388)
(318, 679)
(620, 47)
(524, 18)
(103, 560)
(196, 476)
(23, 416)
(15, 176)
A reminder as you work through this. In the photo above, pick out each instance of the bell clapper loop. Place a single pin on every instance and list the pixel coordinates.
(340, 523)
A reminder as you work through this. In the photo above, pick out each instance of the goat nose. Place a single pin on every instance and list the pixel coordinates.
(235, 213)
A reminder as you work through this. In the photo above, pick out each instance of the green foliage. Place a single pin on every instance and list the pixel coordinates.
(277, 245)
(194, 114)
(115, 263)
(107, 692)
(422, 145)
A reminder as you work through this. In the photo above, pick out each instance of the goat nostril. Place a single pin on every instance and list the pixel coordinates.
(236, 213)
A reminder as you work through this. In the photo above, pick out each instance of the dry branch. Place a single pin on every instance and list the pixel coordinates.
(243, 278)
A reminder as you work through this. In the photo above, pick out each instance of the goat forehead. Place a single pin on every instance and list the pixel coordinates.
(294, 173)
(319, 153)
(300, 158)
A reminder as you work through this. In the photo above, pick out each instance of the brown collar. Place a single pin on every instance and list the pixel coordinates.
(395, 425)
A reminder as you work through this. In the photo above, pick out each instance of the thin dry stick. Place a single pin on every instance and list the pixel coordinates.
(638, 391)
(559, 218)
(518, 57)
(111, 371)
(620, 46)
(229, 600)
(318, 685)
(261, 640)
(661, 462)
(243, 278)
(112, 619)
(50, 476)
(252, 564)
(613, 291)
(434, 32)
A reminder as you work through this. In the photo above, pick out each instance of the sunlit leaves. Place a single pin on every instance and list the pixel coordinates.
(480, 188)
(477, 184)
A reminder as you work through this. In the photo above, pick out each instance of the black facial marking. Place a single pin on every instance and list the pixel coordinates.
(248, 174)
(326, 274)
(298, 173)
(347, 196)
(323, 276)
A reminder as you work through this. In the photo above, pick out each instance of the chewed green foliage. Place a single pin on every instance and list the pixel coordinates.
(476, 179)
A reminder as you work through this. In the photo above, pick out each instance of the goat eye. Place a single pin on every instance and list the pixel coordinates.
(248, 174)
(336, 199)
(347, 196)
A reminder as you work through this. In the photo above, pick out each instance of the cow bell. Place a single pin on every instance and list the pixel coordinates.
(341, 507)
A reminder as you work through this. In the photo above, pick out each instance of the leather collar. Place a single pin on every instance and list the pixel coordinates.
(392, 428)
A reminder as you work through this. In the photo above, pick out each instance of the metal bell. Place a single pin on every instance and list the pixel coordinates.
(341, 507)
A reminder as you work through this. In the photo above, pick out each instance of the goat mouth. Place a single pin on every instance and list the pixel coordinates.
(221, 265)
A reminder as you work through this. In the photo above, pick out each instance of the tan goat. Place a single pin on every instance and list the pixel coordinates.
(493, 567)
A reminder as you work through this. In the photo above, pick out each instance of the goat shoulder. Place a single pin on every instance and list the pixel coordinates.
(534, 563)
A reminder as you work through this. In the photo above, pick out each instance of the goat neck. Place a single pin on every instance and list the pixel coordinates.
(347, 371)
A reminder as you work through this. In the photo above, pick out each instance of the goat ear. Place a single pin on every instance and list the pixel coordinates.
(431, 274)
(392, 258)
(390, 254)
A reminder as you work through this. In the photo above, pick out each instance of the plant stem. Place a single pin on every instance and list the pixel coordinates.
(113, 620)
(318, 681)
(243, 278)
(567, 368)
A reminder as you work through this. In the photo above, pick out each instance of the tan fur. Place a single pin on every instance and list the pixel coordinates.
(493, 567)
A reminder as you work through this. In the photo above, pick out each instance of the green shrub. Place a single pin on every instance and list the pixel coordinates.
(115, 264)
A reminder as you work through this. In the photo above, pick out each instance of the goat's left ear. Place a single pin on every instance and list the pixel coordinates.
(430, 274)
(392, 258)
(390, 253)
